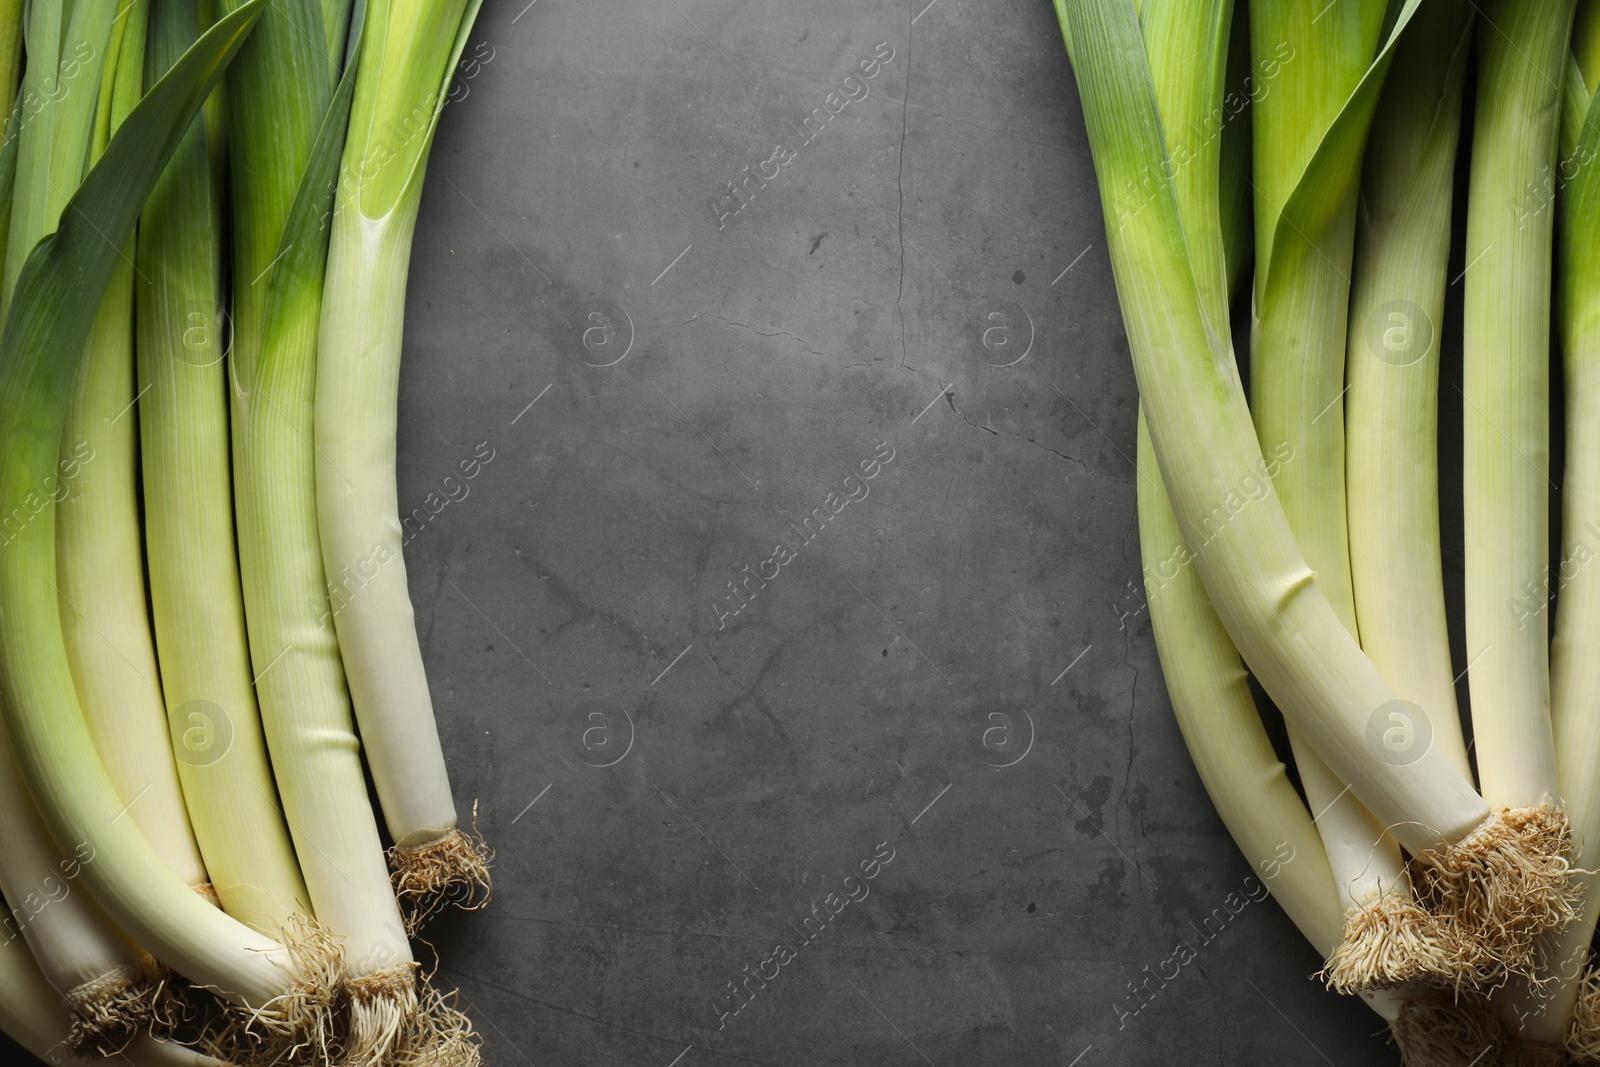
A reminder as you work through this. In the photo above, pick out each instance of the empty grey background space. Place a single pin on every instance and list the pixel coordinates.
(584, 572)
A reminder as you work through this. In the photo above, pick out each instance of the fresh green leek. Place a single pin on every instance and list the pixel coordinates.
(407, 56)
(1213, 704)
(1396, 317)
(1309, 129)
(1547, 1013)
(1208, 687)
(1365, 862)
(103, 978)
(1395, 572)
(101, 569)
(194, 575)
(1506, 396)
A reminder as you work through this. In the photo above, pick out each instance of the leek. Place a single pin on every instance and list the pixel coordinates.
(1506, 396)
(1210, 696)
(1554, 1013)
(100, 569)
(1187, 93)
(1308, 136)
(1365, 864)
(1396, 315)
(1395, 574)
(105, 980)
(408, 53)
(98, 541)
(194, 576)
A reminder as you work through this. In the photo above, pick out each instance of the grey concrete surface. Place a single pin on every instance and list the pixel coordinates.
(980, 606)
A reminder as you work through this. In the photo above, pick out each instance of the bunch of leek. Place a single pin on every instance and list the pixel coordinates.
(179, 751)
(1460, 915)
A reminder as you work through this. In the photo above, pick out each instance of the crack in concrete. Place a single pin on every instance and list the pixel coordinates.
(950, 398)
(759, 333)
(1222, 1036)
(917, 370)
(433, 609)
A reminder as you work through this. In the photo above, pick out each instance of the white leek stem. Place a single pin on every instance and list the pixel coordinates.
(1188, 85)
(1396, 320)
(405, 61)
(1574, 665)
(1506, 396)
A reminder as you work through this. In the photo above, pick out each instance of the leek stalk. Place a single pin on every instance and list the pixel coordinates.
(99, 543)
(1392, 410)
(1395, 575)
(1215, 710)
(194, 575)
(1506, 396)
(1550, 1014)
(1308, 134)
(408, 55)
